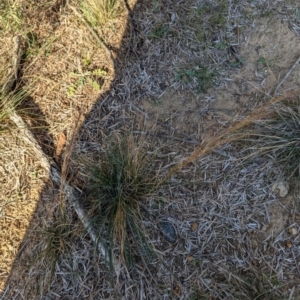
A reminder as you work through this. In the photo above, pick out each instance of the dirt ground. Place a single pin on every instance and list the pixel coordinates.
(236, 237)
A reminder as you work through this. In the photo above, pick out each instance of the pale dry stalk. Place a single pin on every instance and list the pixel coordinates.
(226, 135)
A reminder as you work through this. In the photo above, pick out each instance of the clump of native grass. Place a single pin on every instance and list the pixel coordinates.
(278, 137)
(237, 132)
(9, 102)
(98, 12)
(118, 185)
(119, 182)
(57, 239)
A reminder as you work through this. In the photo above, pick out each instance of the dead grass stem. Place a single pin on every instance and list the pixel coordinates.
(229, 134)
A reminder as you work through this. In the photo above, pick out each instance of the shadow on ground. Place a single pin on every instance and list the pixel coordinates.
(25, 281)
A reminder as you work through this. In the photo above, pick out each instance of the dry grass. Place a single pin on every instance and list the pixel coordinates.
(10, 17)
(277, 137)
(233, 133)
(99, 12)
(24, 176)
(222, 207)
(9, 102)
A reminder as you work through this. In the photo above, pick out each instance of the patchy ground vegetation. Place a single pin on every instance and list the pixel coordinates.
(176, 128)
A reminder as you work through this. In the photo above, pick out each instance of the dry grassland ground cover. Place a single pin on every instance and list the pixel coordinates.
(140, 106)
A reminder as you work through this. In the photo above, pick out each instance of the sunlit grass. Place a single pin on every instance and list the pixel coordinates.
(98, 12)
(10, 16)
(9, 102)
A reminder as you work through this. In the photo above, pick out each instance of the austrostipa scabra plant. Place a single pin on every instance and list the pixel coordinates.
(278, 137)
(9, 101)
(98, 12)
(58, 241)
(118, 186)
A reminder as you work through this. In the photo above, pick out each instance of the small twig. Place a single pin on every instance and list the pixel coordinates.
(17, 56)
(287, 75)
(28, 137)
(16, 59)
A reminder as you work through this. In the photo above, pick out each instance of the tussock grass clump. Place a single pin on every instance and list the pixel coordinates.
(233, 133)
(118, 186)
(57, 244)
(279, 137)
(98, 12)
(8, 104)
(58, 237)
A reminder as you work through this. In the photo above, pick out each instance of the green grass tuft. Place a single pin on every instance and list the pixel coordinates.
(58, 242)
(203, 76)
(279, 137)
(159, 31)
(98, 12)
(118, 186)
(8, 104)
